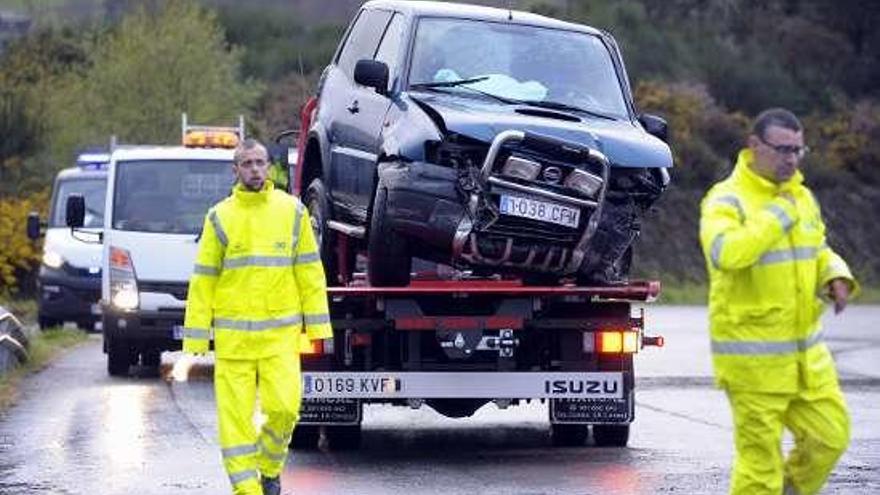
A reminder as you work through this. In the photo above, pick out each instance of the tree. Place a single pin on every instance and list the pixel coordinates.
(162, 59)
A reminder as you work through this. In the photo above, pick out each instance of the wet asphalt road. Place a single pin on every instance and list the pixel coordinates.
(77, 431)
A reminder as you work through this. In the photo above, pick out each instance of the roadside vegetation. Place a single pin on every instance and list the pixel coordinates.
(130, 67)
(44, 347)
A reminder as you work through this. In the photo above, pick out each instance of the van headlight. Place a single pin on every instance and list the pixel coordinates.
(123, 282)
(52, 259)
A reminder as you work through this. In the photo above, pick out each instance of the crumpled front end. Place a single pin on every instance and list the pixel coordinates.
(523, 203)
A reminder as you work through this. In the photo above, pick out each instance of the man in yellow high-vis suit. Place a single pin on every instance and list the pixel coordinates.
(769, 268)
(259, 285)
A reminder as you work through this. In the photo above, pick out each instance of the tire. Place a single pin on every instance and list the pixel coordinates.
(119, 356)
(318, 204)
(46, 323)
(568, 435)
(305, 437)
(388, 260)
(343, 437)
(151, 358)
(611, 435)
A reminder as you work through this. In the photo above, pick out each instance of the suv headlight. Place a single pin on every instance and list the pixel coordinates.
(584, 182)
(521, 168)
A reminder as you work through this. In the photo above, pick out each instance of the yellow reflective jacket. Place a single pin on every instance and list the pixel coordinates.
(769, 266)
(258, 281)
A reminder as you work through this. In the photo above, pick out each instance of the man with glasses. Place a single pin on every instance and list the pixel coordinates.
(769, 269)
(258, 284)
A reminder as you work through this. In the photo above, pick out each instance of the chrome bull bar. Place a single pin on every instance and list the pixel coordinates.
(466, 238)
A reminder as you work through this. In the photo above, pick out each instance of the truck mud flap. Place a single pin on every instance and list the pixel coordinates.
(330, 412)
(593, 411)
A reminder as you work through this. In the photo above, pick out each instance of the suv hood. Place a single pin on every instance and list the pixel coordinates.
(623, 142)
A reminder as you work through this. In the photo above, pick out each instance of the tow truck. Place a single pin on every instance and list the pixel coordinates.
(455, 342)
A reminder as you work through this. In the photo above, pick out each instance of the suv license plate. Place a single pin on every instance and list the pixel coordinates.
(543, 211)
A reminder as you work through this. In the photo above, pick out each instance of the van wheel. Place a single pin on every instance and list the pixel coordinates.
(611, 435)
(388, 259)
(46, 323)
(569, 435)
(119, 356)
(318, 203)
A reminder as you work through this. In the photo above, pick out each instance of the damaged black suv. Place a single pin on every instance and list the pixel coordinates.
(487, 139)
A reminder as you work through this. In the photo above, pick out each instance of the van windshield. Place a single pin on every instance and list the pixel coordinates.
(93, 190)
(168, 196)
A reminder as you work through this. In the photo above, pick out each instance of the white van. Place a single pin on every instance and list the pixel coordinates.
(157, 198)
(69, 279)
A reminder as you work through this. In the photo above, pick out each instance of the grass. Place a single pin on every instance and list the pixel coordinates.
(692, 293)
(44, 347)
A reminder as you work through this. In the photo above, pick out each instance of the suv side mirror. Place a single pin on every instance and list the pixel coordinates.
(373, 74)
(33, 226)
(76, 211)
(655, 126)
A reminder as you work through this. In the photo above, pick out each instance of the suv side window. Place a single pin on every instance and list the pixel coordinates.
(389, 48)
(363, 39)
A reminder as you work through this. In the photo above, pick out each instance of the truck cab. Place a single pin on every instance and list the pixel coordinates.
(157, 198)
(69, 279)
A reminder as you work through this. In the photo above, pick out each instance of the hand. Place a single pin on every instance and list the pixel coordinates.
(838, 290)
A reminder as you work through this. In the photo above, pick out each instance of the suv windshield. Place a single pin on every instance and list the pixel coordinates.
(518, 62)
(93, 190)
(168, 196)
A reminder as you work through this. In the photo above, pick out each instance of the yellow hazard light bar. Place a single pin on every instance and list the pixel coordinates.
(210, 139)
(202, 136)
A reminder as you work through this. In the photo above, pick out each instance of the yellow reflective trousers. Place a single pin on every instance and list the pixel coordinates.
(819, 420)
(248, 454)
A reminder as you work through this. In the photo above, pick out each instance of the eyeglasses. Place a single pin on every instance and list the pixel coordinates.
(786, 149)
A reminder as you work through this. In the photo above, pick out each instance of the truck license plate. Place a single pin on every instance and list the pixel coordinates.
(543, 211)
(330, 411)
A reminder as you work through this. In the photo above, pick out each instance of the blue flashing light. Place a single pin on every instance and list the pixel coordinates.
(93, 161)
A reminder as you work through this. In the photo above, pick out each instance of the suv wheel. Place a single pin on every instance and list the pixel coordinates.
(388, 259)
(318, 203)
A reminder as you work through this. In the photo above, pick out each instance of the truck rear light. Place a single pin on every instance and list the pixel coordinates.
(617, 342)
(361, 340)
(315, 347)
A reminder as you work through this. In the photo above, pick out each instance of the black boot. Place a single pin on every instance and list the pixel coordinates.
(271, 486)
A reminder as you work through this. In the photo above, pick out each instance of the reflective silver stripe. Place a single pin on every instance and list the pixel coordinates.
(245, 261)
(307, 258)
(218, 229)
(206, 270)
(783, 217)
(297, 221)
(317, 319)
(272, 455)
(733, 201)
(240, 450)
(753, 348)
(814, 339)
(274, 436)
(782, 255)
(715, 250)
(240, 476)
(256, 325)
(196, 333)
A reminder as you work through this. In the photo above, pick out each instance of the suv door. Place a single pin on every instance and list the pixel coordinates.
(351, 111)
